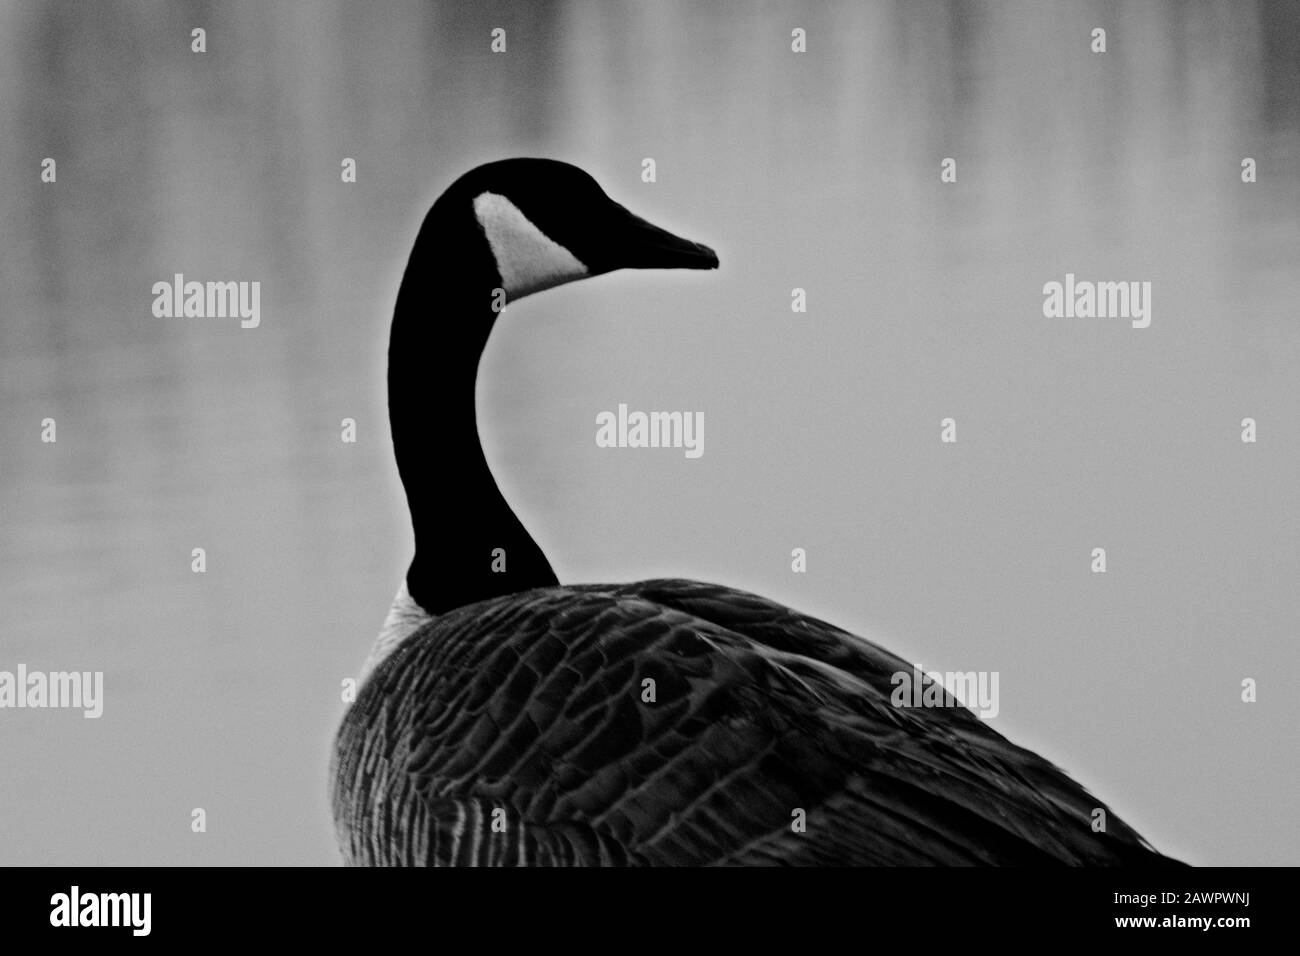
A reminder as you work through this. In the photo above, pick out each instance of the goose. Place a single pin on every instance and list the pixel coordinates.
(503, 718)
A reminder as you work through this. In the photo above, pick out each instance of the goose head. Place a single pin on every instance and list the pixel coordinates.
(547, 222)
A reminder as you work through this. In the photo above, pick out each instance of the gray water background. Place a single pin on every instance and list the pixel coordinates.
(817, 171)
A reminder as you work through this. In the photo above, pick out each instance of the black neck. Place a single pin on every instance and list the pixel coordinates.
(441, 324)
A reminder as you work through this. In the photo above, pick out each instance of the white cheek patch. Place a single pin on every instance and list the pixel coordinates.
(527, 259)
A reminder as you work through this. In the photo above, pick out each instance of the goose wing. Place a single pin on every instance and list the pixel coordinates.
(678, 723)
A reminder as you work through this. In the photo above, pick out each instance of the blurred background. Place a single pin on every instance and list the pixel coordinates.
(818, 171)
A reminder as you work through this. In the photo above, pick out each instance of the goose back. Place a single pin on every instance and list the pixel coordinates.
(522, 730)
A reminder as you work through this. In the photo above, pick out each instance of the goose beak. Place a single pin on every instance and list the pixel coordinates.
(637, 244)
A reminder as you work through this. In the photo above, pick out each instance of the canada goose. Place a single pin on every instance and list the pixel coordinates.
(502, 717)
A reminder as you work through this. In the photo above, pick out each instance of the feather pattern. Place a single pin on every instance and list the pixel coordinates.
(515, 732)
